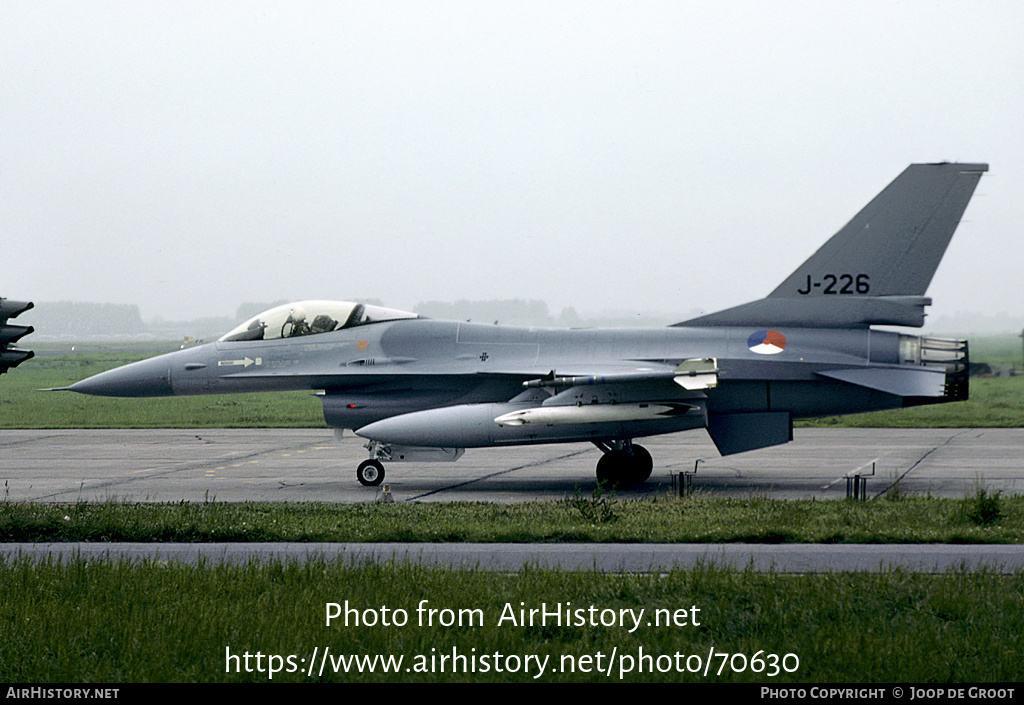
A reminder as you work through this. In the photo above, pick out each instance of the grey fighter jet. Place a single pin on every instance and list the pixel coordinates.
(421, 389)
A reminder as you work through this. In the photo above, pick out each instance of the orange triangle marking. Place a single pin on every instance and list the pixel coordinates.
(362, 344)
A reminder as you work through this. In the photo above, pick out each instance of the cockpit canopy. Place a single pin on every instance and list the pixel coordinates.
(310, 318)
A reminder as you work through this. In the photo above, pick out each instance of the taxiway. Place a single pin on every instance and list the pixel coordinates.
(298, 465)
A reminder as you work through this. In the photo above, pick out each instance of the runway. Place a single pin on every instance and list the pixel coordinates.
(286, 465)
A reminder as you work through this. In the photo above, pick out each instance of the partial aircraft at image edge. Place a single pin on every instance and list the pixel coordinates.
(421, 389)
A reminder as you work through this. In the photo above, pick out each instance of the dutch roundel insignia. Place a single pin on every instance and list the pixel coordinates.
(767, 342)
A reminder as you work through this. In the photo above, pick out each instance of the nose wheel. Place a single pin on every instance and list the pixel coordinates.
(623, 466)
(370, 473)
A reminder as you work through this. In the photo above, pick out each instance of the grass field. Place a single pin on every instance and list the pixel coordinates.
(981, 518)
(175, 623)
(119, 622)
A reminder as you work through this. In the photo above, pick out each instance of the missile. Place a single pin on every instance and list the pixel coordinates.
(694, 374)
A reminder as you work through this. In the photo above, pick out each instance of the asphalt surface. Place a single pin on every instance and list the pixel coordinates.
(310, 465)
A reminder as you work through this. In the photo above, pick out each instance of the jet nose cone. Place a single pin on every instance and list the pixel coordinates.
(148, 378)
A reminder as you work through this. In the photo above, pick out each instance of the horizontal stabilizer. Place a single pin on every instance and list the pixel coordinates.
(901, 381)
(737, 433)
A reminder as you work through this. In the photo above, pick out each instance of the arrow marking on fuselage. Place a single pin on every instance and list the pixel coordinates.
(240, 363)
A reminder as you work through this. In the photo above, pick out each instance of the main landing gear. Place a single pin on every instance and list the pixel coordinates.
(623, 465)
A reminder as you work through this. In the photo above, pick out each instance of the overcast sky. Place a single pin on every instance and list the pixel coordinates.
(670, 156)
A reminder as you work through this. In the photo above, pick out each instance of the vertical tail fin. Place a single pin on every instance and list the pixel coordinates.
(894, 245)
(877, 268)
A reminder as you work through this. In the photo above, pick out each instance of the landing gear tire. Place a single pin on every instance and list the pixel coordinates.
(621, 469)
(643, 465)
(613, 470)
(370, 473)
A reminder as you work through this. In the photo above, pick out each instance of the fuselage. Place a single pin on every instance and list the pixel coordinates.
(371, 372)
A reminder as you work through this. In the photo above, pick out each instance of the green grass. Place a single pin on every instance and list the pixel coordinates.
(981, 518)
(178, 623)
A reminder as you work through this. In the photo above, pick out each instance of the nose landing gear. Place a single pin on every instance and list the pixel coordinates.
(370, 473)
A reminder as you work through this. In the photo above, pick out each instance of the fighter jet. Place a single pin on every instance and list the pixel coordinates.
(422, 389)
